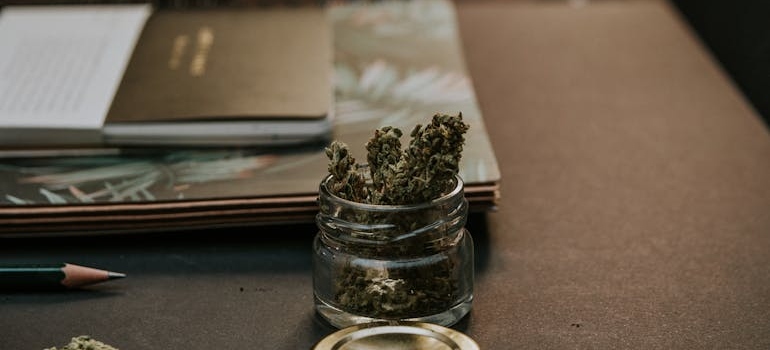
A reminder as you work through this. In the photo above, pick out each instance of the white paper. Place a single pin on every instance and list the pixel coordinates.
(60, 66)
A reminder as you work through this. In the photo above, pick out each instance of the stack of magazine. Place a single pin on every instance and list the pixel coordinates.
(395, 64)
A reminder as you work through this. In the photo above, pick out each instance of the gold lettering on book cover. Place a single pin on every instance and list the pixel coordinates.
(205, 40)
(178, 49)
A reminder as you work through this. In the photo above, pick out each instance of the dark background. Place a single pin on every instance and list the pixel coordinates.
(738, 34)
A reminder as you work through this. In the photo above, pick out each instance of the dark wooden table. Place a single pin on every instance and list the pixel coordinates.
(635, 211)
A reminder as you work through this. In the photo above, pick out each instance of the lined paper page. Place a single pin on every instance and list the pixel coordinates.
(61, 65)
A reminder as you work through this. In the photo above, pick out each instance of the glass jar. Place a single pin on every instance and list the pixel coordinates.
(393, 262)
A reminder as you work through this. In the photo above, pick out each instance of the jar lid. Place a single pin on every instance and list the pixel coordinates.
(397, 335)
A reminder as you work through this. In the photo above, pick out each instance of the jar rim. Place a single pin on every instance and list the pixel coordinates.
(458, 189)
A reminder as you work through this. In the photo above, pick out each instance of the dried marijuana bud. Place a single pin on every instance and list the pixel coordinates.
(84, 342)
(384, 154)
(421, 172)
(348, 182)
(431, 161)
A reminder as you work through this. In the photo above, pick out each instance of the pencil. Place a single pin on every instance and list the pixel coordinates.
(54, 276)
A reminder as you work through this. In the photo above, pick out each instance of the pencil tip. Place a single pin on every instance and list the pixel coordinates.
(115, 275)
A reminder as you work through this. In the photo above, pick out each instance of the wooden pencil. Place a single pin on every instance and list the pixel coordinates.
(52, 276)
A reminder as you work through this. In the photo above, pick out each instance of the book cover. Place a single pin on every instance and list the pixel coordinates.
(396, 63)
(226, 77)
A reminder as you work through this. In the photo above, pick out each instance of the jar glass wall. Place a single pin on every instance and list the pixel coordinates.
(393, 262)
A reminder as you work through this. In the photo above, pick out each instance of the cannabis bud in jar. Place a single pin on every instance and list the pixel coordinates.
(392, 243)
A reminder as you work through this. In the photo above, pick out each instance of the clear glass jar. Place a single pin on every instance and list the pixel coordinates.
(393, 262)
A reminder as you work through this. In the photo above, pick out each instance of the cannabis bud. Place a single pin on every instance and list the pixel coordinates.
(423, 171)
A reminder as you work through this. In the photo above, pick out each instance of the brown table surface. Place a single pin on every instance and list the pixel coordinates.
(635, 211)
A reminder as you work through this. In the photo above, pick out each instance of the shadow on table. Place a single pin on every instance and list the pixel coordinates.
(477, 226)
(270, 249)
(56, 296)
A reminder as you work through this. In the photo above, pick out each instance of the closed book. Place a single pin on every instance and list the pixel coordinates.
(226, 77)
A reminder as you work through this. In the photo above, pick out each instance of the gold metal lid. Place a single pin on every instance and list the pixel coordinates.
(397, 336)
